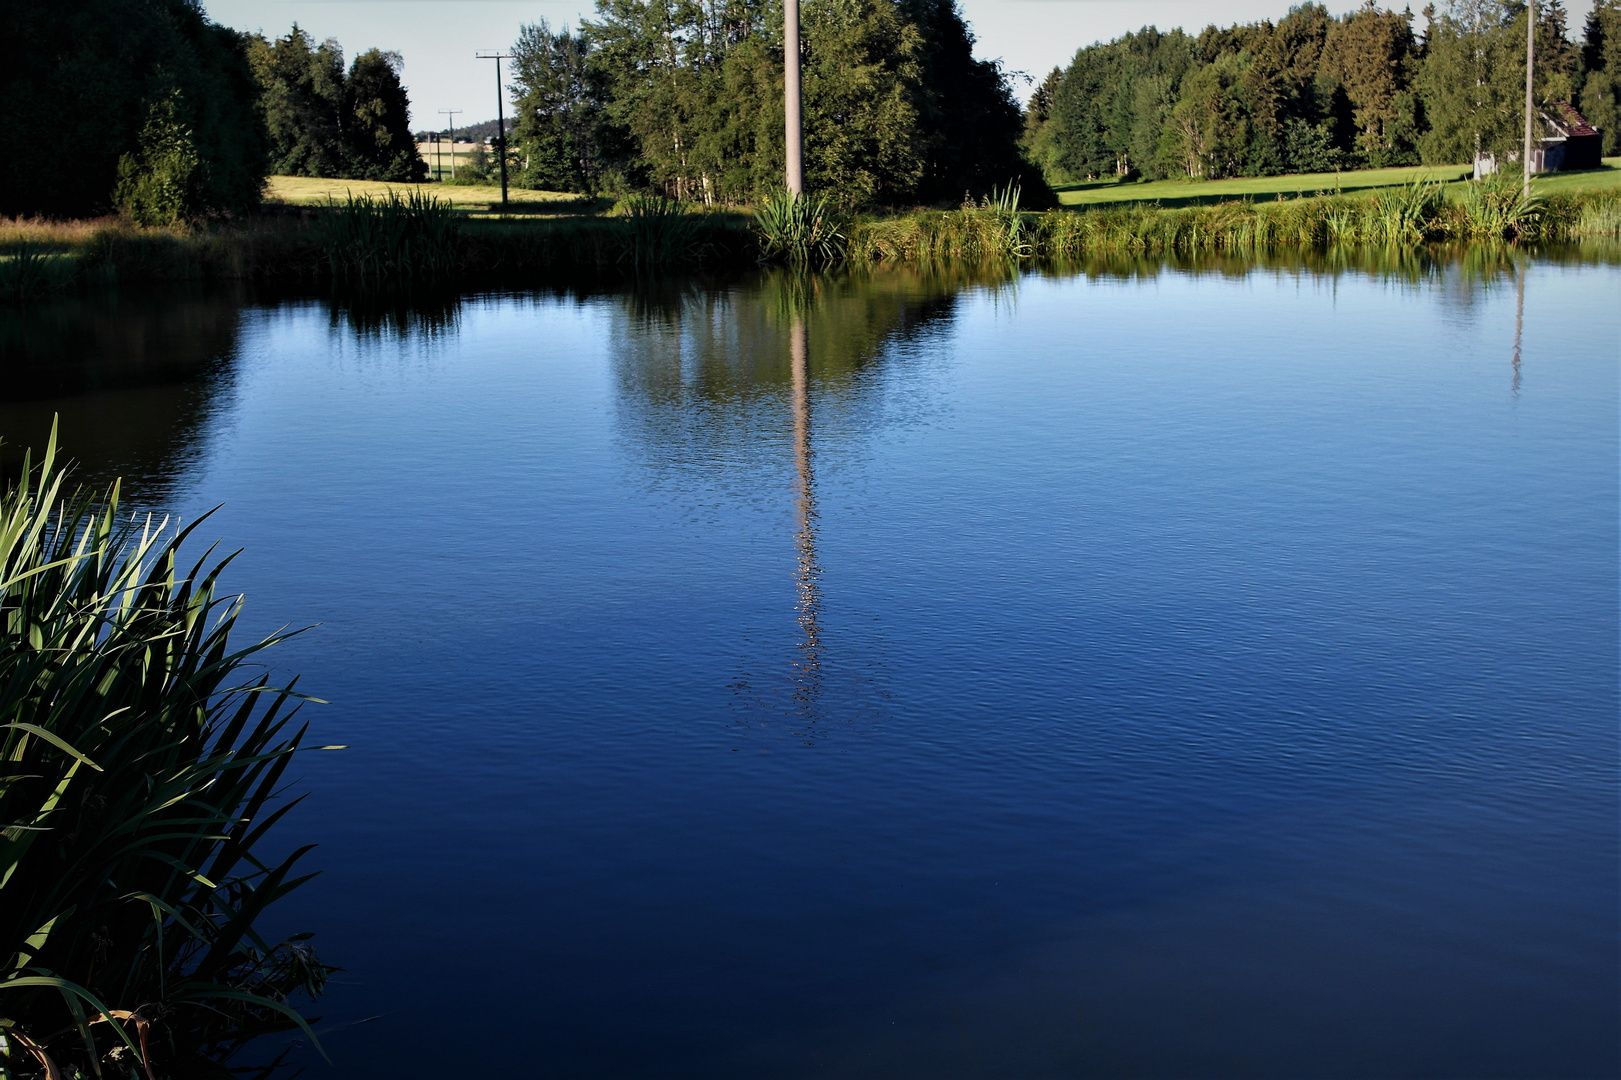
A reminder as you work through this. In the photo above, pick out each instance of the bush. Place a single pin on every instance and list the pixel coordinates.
(160, 184)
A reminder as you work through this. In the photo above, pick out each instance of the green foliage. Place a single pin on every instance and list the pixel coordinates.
(562, 141)
(476, 169)
(322, 122)
(161, 183)
(143, 768)
(799, 229)
(896, 109)
(1404, 215)
(1314, 92)
(1473, 79)
(391, 241)
(1599, 216)
(31, 271)
(1601, 59)
(1496, 208)
(1372, 55)
(660, 231)
(90, 74)
(378, 115)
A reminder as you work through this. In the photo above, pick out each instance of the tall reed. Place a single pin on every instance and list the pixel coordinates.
(142, 771)
(391, 240)
(1496, 208)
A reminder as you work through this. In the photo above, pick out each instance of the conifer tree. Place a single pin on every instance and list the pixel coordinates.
(1601, 61)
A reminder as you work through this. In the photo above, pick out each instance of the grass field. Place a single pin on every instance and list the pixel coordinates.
(305, 191)
(1176, 193)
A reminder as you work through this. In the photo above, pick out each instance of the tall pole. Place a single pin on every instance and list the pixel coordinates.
(790, 91)
(1530, 69)
(500, 121)
(438, 156)
(452, 113)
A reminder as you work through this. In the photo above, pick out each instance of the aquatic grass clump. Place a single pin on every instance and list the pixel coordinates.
(660, 231)
(141, 774)
(1496, 208)
(393, 240)
(800, 229)
(1597, 216)
(32, 271)
(1404, 215)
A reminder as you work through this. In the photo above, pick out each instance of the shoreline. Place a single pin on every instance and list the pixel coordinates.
(292, 246)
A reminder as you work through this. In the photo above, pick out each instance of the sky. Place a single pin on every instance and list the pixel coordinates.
(438, 38)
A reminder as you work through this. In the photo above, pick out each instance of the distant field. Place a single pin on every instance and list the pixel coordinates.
(1193, 193)
(442, 158)
(305, 191)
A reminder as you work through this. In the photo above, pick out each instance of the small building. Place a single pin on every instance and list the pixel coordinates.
(1568, 141)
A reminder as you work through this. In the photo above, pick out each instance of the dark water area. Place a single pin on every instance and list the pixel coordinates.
(1137, 670)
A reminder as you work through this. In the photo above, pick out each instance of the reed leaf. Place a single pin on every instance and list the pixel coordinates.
(142, 765)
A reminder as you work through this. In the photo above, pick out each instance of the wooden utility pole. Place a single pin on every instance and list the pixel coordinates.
(452, 113)
(790, 90)
(1530, 70)
(500, 121)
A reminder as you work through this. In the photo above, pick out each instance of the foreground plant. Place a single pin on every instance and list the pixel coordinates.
(141, 772)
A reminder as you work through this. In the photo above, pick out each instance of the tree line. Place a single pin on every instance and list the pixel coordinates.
(1314, 92)
(160, 113)
(686, 97)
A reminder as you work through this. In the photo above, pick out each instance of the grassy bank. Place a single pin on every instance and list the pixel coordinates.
(388, 244)
(1180, 193)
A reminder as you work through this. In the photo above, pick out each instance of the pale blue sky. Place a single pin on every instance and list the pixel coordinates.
(439, 37)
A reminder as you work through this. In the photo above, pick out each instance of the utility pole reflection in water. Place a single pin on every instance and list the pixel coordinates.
(808, 672)
(1519, 322)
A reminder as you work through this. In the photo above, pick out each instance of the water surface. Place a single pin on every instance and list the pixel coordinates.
(1167, 672)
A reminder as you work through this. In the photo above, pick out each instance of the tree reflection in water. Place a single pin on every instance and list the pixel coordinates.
(135, 377)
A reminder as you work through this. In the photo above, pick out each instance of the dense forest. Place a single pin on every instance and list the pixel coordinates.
(1315, 92)
(685, 96)
(160, 113)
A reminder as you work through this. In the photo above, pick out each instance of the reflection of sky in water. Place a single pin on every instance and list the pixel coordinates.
(1173, 674)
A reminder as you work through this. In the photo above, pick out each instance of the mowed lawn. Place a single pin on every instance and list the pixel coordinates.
(307, 191)
(1172, 193)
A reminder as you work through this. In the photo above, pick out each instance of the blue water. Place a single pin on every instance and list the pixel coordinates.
(1177, 674)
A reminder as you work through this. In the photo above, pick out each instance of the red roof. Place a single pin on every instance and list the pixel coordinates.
(1572, 121)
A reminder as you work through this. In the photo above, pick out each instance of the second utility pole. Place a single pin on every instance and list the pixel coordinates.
(790, 92)
(452, 113)
(500, 122)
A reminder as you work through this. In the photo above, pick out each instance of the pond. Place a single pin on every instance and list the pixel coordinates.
(1136, 670)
